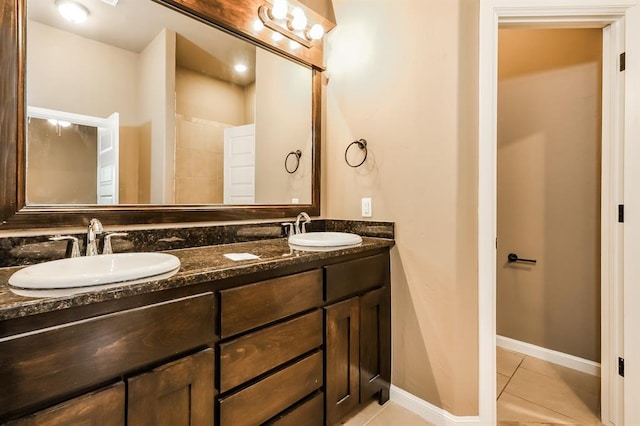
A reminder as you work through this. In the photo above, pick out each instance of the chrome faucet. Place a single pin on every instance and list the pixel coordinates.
(94, 229)
(301, 229)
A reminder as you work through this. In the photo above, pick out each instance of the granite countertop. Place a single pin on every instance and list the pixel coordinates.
(198, 265)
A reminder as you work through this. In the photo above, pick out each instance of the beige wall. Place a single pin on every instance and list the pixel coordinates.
(403, 75)
(204, 107)
(549, 188)
(70, 73)
(283, 124)
(156, 92)
(54, 174)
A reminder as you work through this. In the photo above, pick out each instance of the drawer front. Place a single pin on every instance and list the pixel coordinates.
(249, 356)
(309, 413)
(253, 305)
(104, 407)
(272, 395)
(356, 276)
(68, 358)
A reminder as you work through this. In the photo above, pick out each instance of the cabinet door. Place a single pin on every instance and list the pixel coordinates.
(375, 344)
(103, 407)
(342, 359)
(175, 394)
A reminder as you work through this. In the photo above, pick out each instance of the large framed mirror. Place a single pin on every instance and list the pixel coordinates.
(151, 112)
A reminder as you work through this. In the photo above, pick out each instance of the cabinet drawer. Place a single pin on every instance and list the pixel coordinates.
(309, 413)
(61, 360)
(104, 407)
(356, 276)
(249, 356)
(253, 305)
(272, 395)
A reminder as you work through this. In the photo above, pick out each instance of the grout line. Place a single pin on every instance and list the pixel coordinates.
(511, 376)
(575, 422)
(533, 402)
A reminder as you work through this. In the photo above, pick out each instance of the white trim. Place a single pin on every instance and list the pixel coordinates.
(560, 358)
(563, 13)
(428, 411)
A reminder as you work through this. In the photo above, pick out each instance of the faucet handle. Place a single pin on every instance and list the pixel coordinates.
(73, 249)
(288, 228)
(107, 241)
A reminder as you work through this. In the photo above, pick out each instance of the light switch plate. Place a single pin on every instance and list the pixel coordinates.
(366, 207)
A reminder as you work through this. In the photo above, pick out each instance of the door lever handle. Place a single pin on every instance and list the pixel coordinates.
(512, 257)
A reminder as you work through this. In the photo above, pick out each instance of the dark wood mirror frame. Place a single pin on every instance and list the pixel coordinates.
(228, 15)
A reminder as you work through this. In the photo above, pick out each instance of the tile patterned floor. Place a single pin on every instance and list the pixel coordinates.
(529, 392)
(389, 414)
(533, 392)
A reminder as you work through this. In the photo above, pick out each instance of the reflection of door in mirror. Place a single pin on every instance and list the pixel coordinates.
(240, 164)
(71, 158)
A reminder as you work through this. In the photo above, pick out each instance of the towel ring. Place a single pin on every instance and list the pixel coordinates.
(362, 144)
(296, 154)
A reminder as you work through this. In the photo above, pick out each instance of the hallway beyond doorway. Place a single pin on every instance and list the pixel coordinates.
(530, 390)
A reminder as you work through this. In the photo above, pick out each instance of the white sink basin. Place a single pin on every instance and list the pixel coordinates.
(323, 240)
(90, 271)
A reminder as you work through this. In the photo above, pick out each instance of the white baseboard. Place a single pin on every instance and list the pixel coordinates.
(428, 411)
(566, 360)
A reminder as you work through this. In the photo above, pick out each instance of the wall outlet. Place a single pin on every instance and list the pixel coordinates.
(366, 207)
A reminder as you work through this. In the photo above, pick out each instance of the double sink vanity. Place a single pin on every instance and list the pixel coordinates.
(292, 337)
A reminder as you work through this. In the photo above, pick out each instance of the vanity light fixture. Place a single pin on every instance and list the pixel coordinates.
(289, 22)
(72, 11)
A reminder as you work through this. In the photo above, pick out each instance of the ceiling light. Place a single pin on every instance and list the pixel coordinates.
(72, 11)
(240, 68)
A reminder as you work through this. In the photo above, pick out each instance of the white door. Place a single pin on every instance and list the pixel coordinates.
(108, 151)
(240, 164)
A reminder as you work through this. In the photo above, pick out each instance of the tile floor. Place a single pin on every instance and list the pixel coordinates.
(532, 391)
(389, 414)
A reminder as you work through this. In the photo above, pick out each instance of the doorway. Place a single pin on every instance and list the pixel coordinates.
(620, 23)
(548, 225)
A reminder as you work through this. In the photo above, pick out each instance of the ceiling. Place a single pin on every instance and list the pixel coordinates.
(133, 24)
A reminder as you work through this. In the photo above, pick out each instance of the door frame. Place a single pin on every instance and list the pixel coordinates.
(621, 147)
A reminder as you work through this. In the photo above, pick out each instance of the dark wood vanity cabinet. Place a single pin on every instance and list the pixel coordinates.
(145, 351)
(357, 335)
(102, 407)
(179, 393)
(271, 359)
(305, 349)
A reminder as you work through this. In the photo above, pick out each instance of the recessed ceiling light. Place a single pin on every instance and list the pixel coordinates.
(240, 68)
(72, 11)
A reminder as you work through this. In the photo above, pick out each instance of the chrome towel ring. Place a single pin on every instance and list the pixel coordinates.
(297, 154)
(362, 144)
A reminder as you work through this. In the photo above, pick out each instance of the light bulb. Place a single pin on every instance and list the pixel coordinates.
(299, 21)
(258, 25)
(279, 9)
(294, 45)
(316, 32)
(72, 11)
